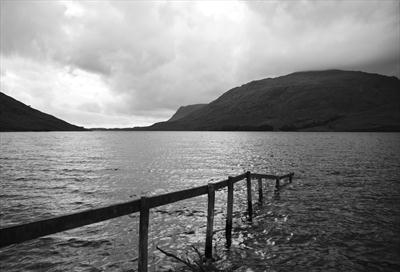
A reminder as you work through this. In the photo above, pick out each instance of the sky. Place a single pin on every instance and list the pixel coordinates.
(132, 63)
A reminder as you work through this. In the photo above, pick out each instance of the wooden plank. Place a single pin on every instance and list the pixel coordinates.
(286, 176)
(221, 184)
(210, 221)
(256, 176)
(229, 213)
(143, 234)
(239, 178)
(281, 186)
(28, 231)
(260, 191)
(24, 232)
(160, 200)
(249, 198)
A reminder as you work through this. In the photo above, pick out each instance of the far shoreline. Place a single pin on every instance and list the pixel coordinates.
(145, 130)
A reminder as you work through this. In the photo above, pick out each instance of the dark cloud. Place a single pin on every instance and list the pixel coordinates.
(30, 28)
(141, 60)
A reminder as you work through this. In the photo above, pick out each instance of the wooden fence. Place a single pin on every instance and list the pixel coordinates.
(24, 232)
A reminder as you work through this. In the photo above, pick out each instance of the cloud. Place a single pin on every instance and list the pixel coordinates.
(305, 35)
(139, 61)
(30, 28)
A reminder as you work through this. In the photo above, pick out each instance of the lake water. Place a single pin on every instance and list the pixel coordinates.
(341, 213)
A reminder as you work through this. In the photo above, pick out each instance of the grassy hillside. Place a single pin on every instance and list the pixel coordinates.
(16, 116)
(185, 110)
(331, 100)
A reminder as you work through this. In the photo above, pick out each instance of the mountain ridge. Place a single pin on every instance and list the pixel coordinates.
(327, 100)
(185, 110)
(17, 116)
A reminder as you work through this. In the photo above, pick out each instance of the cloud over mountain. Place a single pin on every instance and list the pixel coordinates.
(122, 63)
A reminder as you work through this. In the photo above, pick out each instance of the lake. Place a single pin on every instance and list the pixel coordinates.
(342, 211)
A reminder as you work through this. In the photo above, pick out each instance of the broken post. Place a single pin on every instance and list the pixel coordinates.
(229, 212)
(260, 191)
(143, 234)
(249, 199)
(210, 221)
(277, 186)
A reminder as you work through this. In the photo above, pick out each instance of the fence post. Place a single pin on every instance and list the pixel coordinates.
(143, 234)
(249, 200)
(210, 221)
(229, 212)
(260, 191)
(277, 185)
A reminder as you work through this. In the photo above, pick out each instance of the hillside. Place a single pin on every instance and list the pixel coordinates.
(331, 100)
(16, 116)
(185, 110)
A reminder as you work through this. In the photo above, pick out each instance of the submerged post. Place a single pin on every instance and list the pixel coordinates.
(210, 220)
(143, 234)
(229, 212)
(260, 191)
(249, 199)
(277, 185)
(290, 177)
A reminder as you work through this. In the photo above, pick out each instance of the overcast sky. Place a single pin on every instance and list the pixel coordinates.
(125, 63)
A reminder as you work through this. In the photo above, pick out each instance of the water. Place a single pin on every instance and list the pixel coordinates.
(340, 213)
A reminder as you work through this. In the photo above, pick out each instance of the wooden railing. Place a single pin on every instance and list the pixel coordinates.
(24, 232)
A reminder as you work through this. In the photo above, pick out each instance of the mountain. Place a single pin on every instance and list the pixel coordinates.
(16, 116)
(331, 100)
(185, 110)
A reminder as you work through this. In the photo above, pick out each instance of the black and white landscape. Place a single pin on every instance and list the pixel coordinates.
(121, 121)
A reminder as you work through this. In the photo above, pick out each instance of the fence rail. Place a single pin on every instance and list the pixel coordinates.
(24, 232)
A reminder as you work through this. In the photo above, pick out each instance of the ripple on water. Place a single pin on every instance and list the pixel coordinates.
(341, 212)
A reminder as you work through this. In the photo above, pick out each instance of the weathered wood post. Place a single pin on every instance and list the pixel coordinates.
(210, 220)
(277, 185)
(229, 213)
(249, 199)
(260, 191)
(143, 234)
